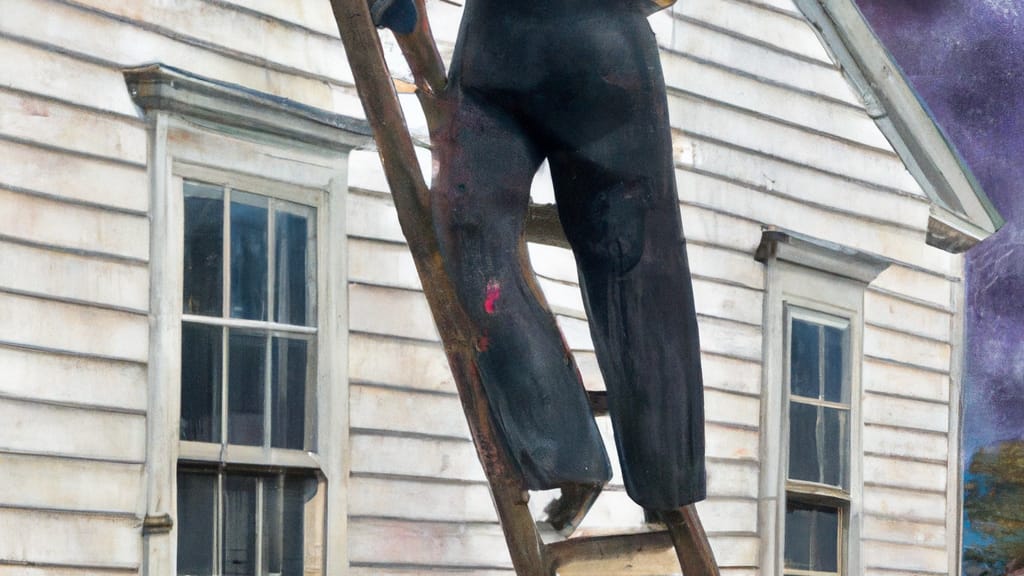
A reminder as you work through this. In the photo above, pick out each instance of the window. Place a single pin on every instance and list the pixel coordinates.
(250, 498)
(247, 412)
(818, 468)
(810, 489)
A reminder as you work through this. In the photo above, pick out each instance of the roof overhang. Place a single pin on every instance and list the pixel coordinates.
(961, 213)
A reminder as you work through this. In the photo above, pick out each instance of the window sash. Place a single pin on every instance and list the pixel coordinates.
(298, 202)
(313, 517)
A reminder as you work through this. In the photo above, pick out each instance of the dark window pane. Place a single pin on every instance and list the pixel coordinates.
(804, 354)
(200, 382)
(835, 446)
(835, 365)
(298, 492)
(247, 355)
(288, 393)
(812, 537)
(248, 256)
(239, 525)
(291, 251)
(204, 248)
(804, 461)
(196, 509)
(273, 496)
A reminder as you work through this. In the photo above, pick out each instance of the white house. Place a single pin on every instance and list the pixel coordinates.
(215, 356)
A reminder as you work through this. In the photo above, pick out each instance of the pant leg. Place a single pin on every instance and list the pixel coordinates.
(617, 200)
(532, 384)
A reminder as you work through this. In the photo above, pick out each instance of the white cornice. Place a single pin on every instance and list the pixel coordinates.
(962, 214)
(156, 87)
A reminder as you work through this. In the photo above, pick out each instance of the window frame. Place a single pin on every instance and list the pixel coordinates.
(821, 280)
(209, 129)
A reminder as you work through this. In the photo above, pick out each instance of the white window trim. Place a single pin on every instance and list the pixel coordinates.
(830, 279)
(253, 140)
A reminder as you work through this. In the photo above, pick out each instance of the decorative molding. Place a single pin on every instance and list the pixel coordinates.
(962, 213)
(157, 87)
(819, 255)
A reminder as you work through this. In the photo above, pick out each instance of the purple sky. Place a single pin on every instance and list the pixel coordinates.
(966, 60)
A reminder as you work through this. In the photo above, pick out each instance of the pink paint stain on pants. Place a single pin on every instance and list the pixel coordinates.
(493, 293)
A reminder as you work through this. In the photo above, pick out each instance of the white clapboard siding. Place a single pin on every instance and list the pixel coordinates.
(899, 473)
(381, 264)
(43, 429)
(730, 442)
(792, 106)
(238, 31)
(402, 363)
(728, 515)
(698, 40)
(779, 31)
(907, 412)
(388, 409)
(417, 500)
(781, 176)
(373, 570)
(894, 379)
(76, 178)
(916, 284)
(309, 14)
(905, 557)
(737, 409)
(390, 542)
(717, 121)
(904, 442)
(905, 504)
(731, 478)
(901, 347)
(34, 322)
(713, 262)
(711, 226)
(731, 374)
(820, 222)
(378, 310)
(42, 71)
(72, 276)
(903, 531)
(889, 312)
(72, 380)
(110, 39)
(56, 124)
(86, 541)
(61, 484)
(415, 457)
(372, 216)
(22, 570)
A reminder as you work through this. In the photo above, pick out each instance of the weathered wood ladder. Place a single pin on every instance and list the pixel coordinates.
(530, 555)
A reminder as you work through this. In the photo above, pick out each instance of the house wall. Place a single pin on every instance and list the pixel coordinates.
(74, 248)
(766, 130)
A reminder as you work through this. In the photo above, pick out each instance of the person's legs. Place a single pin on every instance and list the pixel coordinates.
(532, 385)
(617, 201)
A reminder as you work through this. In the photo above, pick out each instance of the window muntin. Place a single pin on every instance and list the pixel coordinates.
(818, 469)
(250, 498)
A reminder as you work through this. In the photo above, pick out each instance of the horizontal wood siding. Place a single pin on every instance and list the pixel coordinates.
(74, 247)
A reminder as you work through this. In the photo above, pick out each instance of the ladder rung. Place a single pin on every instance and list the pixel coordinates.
(598, 402)
(613, 554)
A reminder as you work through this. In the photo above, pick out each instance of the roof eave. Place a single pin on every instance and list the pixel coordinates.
(962, 214)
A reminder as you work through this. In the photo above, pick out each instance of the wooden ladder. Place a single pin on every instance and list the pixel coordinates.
(531, 556)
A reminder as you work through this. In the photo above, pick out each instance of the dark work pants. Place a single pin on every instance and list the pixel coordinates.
(579, 84)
